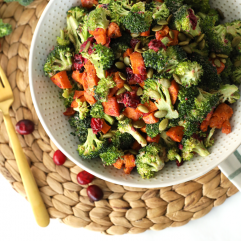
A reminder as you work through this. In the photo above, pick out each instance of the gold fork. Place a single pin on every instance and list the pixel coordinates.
(34, 197)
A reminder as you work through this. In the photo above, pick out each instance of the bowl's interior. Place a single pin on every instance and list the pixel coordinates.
(50, 110)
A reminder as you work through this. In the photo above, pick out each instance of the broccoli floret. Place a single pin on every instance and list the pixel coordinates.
(160, 11)
(236, 73)
(111, 155)
(193, 145)
(175, 55)
(5, 28)
(22, 2)
(150, 160)
(189, 73)
(151, 90)
(126, 126)
(167, 140)
(155, 60)
(58, 60)
(227, 73)
(102, 58)
(183, 20)
(234, 28)
(63, 39)
(122, 140)
(210, 80)
(98, 19)
(67, 95)
(82, 109)
(92, 147)
(190, 126)
(173, 154)
(80, 126)
(152, 130)
(173, 5)
(199, 5)
(211, 13)
(229, 93)
(209, 141)
(103, 87)
(77, 12)
(119, 48)
(97, 111)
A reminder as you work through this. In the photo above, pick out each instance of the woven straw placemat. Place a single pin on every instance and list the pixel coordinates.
(123, 209)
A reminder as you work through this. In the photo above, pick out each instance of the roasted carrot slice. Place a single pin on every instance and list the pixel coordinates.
(146, 33)
(78, 94)
(105, 127)
(77, 76)
(69, 111)
(74, 103)
(129, 160)
(100, 35)
(226, 127)
(114, 31)
(136, 146)
(127, 170)
(88, 3)
(131, 113)
(89, 97)
(119, 163)
(154, 139)
(173, 90)
(111, 107)
(137, 63)
(150, 119)
(128, 52)
(176, 133)
(61, 80)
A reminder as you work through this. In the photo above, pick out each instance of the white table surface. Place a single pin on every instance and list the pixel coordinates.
(17, 223)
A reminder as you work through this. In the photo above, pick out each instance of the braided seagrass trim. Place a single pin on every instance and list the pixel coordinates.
(123, 209)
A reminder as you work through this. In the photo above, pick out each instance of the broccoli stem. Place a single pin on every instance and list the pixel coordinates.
(201, 150)
(108, 118)
(140, 139)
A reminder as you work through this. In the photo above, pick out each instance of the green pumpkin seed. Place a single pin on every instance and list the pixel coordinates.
(160, 114)
(149, 73)
(121, 91)
(139, 92)
(163, 125)
(121, 117)
(217, 63)
(143, 109)
(200, 38)
(169, 18)
(120, 65)
(122, 75)
(188, 35)
(187, 49)
(183, 43)
(177, 79)
(162, 22)
(127, 87)
(182, 37)
(127, 61)
(140, 51)
(107, 135)
(134, 152)
(201, 45)
(157, 28)
(171, 34)
(135, 35)
(137, 46)
(165, 82)
(145, 48)
(237, 63)
(213, 55)
(220, 13)
(224, 56)
(236, 41)
(121, 59)
(223, 61)
(155, 95)
(139, 124)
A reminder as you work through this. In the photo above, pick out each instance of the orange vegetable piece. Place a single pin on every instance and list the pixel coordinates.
(221, 68)
(105, 127)
(160, 1)
(146, 33)
(77, 76)
(84, 80)
(176, 133)
(92, 78)
(136, 146)
(162, 33)
(226, 127)
(143, 129)
(112, 92)
(134, 88)
(173, 90)
(74, 103)
(88, 3)
(119, 163)
(111, 107)
(150, 119)
(155, 139)
(150, 105)
(89, 97)
(78, 94)
(114, 31)
(69, 111)
(100, 35)
(61, 80)
(131, 113)
(216, 122)
(128, 52)
(129, 160)
(137, 63)
(127, 170)
(119, 82)
(223, 111)
(175, 40)
(204, 125)
(142, 84)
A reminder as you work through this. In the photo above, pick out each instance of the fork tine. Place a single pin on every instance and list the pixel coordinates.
(4, 79)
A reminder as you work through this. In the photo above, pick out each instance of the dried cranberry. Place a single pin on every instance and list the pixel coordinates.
(59, 158)
(94, 193)
(78, 62)
(129, 99)
(133, 42)
(139, 78)
(96, 125)
(130, 75)
(193, 18)
(180, 146)
(197, 137)
(24, 127)
(179, 163)
(84, 178)
(156, 45)
(91, 40)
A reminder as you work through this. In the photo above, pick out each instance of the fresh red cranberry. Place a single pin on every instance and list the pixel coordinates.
(156, 45)
(24, 127)
(129, 99)
(84, 178)
(96, 125)
(133, 42)
(179, 163)
(59, 158)
(193, 18)
(94, 193)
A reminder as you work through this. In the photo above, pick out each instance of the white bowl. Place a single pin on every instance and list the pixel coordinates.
(50, 109)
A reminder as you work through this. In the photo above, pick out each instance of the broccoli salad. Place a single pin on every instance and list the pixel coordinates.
(146, 83)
